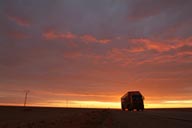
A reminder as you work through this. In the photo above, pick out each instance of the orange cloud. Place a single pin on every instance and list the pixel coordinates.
(182, 42)
(104, 41)
(139, 52)
(20, 20)
(150, 44)
(92, 39)
(142, 44)
(49, 35)
(88, 38)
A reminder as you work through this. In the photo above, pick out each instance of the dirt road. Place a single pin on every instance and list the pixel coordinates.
(153, 119)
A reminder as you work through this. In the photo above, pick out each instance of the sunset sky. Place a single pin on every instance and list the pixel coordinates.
(88, 53)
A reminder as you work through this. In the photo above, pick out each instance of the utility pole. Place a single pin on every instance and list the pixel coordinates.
(25, 101)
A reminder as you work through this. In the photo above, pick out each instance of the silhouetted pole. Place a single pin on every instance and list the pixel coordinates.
(25, 101)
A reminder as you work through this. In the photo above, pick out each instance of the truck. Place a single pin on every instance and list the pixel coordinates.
(132, 100)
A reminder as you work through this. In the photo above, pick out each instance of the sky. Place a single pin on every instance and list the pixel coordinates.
(88, 53)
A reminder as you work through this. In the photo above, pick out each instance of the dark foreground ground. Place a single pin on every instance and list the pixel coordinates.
(34, 117)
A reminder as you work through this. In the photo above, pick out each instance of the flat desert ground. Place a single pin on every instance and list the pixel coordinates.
(40, 117)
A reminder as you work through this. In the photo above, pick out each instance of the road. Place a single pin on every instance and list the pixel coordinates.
(152, 119)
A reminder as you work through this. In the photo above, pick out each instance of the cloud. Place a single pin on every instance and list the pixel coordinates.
(145, 50)
(160, 46)
(88, 38)
(104, 41)
(19, 20)
(92, 39)
(50, 35)
(139, 51)
(148, 44)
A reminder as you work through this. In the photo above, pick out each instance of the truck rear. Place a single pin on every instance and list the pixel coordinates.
(132, 100)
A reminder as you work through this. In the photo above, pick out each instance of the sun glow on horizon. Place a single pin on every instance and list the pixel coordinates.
(116, 105)
(99, 104)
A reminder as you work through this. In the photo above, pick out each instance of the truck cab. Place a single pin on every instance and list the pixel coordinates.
(132, 100)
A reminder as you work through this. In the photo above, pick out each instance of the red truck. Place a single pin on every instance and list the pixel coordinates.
(132, 100)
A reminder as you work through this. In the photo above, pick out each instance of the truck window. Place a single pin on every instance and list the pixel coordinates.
(135, 97)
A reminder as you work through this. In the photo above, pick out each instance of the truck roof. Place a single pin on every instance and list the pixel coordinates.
(130, 92)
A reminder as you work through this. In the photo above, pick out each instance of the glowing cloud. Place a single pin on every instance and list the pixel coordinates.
(92, 39)
(50, 35)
